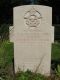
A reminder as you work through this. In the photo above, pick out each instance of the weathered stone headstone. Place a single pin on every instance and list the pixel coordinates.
(33, 35)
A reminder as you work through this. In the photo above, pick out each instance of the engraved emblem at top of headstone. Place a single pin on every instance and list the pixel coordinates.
(32, 17)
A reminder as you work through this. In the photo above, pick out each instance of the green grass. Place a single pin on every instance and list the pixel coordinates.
(28, 75)
(6, 52)
(56, 51)
(6, 63)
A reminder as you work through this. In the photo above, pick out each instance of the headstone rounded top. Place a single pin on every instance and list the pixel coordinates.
(33, 6)
(33, 14)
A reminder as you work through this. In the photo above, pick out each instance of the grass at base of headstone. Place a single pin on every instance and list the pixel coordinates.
(6, 60)
(28, 75)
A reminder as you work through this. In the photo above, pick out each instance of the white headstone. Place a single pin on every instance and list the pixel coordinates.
(33, 36)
